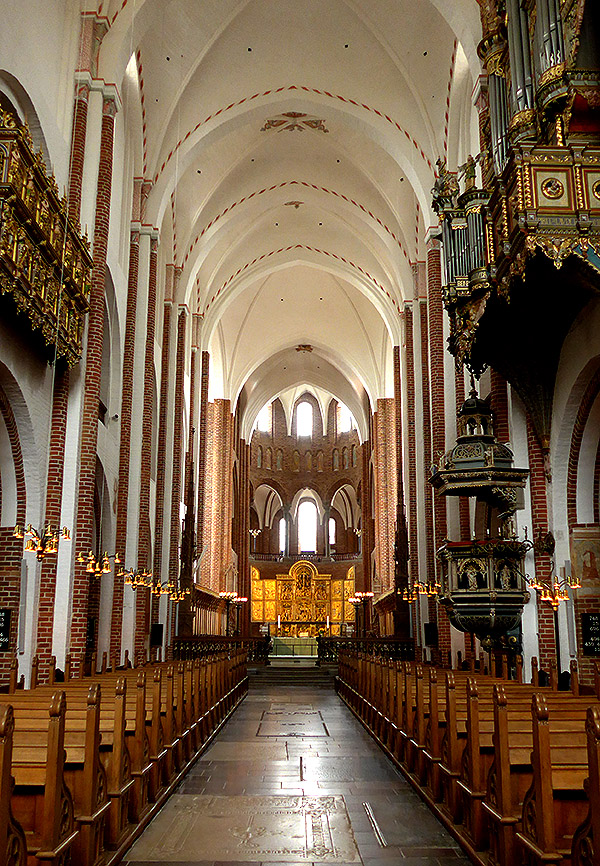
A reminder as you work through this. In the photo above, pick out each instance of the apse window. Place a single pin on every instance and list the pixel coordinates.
(304, 419)
(332, 531)
(282, 535)
(307, 527)
(263, 421)
(345, 420)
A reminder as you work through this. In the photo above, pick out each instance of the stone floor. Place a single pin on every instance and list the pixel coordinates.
(293, 778)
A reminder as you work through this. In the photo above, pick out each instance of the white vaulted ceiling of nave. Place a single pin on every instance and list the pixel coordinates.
(330, 221)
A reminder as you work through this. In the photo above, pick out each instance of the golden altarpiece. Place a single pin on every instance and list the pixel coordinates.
(303, 602)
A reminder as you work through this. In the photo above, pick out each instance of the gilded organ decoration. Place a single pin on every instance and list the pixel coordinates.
(45, 263)
(303, 600)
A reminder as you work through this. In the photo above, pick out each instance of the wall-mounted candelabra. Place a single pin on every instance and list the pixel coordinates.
(41, 543)
(98, 565)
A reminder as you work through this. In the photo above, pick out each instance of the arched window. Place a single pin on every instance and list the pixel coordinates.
(279, 460)
(336, 460)
(307, 527)
(345, 457)
(282, 535)
(263, 420)
(354, 455)
(259, 457)
(344, 419)
(332, 531)
(304, 419)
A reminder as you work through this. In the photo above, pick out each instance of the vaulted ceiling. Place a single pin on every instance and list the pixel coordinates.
(292, 146)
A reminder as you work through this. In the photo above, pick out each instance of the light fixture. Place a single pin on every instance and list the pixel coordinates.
(41, 543)
(431, 589)
(98, 565)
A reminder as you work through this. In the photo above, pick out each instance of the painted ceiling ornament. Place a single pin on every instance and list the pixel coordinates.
(294, 121)
(295, 204)
(304, 347)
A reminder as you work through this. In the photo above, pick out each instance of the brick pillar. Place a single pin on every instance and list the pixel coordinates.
(202, 444)
(244, 554)
(217, 505)
(54, 488)
(543, 562)
(60, 399)
(126, 417)
(78, 133)
(161, 448)
(385, 491)
(499, 404)
(178, 447)
(12, 548)
(367, 535)
(144, 559)
(411, 433)
(438, 410)
(428, 459)
(93, 368)
(401, 549)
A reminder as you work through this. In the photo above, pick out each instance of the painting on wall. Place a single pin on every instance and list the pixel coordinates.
(585, 555)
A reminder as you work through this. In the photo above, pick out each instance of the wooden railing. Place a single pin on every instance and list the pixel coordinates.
(201, 646)
(330, 648)
(94, 760)
(510, 768)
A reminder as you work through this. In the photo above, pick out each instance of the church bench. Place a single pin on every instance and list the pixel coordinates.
(83, 772)
(512, 769)
(41, 801)
(556, 803)
(585, 850)
(113, 748)
(480, 751)
(13, 846)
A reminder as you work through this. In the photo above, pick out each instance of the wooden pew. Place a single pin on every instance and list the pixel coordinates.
(585, 850)
(555, 804)
(41, 800)
(13, 847)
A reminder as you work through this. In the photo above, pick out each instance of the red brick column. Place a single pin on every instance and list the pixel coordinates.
(178, 447)
(217, 505)
(144, 543)
(126, 415)
(499, 404)
(12, 548)
(438, 410)
(411, 432)
(54, 488)
(367, 535)
(244, 554)
(543, 563)
(428, 458)
(60, 399)
(202, 443)
(161, 456)
(385, 491)
(93, 367)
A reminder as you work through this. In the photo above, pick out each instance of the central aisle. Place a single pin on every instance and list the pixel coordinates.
(291, 779)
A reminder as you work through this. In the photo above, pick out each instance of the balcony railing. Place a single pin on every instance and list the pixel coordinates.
(310, 557)
(45, 262)
(329, 648)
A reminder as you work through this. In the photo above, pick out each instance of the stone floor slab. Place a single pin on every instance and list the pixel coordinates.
(282, 828)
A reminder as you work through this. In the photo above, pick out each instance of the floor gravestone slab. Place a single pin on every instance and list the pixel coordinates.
(249, 829)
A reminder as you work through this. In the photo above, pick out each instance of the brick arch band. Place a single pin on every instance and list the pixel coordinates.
(17, 455)
(581, 419)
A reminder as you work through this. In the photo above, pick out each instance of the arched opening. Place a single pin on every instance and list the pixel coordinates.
(307, 527)
(304, 419)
